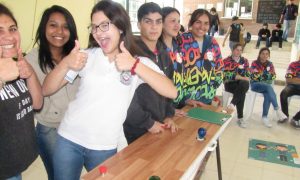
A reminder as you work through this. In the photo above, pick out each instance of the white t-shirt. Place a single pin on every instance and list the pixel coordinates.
(95, 118)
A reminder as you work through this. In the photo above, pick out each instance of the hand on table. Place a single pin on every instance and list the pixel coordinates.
(170, 124)
(156, 128)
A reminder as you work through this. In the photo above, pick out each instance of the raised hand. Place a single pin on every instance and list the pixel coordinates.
(8, 68)
(124, 61)
(25, 69)
(76, 60)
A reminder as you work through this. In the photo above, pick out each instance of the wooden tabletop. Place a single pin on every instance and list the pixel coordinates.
(167, 155)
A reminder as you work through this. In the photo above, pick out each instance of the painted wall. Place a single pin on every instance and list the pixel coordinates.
(28, 14)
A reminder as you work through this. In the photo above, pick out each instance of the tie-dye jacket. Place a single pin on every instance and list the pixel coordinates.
(293, 70)
(262, 72)
(197, 75)
(233, 68)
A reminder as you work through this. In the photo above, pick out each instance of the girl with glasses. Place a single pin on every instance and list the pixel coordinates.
(92, 128)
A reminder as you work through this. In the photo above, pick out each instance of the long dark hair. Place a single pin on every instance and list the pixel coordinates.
(119, 17)
(45, 57)
(4, 10)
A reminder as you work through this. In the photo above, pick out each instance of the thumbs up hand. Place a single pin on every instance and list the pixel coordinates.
(25, 69)
(76, 60)
(124, 61)
(8, 68)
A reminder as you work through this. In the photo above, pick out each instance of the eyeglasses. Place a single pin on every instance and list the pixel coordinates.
(103, 27)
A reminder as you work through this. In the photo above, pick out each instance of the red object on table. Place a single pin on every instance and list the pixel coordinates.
(102, 169)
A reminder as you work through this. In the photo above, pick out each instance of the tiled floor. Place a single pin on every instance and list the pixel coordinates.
(234, 141)
(234, 148)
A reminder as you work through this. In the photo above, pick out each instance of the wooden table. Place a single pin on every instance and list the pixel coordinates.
(167, 155)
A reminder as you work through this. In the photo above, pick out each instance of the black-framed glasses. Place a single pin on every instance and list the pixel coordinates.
(103, 27)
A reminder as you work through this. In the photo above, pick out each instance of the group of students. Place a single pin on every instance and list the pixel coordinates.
(147, 79)
(264, 34)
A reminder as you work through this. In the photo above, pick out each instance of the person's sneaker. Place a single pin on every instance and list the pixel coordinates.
(295, 124)
(270, 48)
(266, 122)
(281, 117)
(242, 123)
(279, 49)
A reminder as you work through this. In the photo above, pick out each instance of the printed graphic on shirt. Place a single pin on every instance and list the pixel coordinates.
(233, 68)
(262, 73)
(293, 70)
(199, 75)
(10, 92)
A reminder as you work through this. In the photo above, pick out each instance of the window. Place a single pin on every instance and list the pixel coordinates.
(241, 8)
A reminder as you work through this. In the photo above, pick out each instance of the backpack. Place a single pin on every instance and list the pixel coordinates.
(248, 37)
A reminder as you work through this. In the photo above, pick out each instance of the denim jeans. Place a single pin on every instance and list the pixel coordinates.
(212, 30)
(286, 28)
(46, 138)
(16, 177)
(260, 39)
(287, 92)
(69, 159)
(269, 96)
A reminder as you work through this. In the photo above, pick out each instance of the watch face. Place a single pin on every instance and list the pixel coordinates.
(125, 77)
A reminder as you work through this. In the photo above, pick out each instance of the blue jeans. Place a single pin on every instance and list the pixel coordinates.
(16, 177)
(286, 28)
(212, 30)
(269, 96)
(260, 39)
(46, 138)
(69, 159)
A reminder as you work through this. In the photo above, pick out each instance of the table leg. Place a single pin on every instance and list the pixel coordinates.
(219, 160)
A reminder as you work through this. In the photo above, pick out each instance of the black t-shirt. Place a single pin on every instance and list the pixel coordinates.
(18, 148)
(289, 12)
(235, 32)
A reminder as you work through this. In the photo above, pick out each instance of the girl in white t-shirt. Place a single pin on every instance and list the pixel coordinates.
(111, 69)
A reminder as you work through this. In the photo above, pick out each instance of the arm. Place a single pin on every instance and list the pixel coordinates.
(293, 80)
(26, 72)
(226, 35)
(76, 60)
(160, 83)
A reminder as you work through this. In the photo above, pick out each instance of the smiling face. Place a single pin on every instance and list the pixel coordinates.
(237, 52)
(151, 27)
(108, 40)
(57, 31)
(171, 25)
(264, 56)
(200, 27)
(9, 37)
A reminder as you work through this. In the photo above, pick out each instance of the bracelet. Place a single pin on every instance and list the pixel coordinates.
(2, 83)
(132, 71)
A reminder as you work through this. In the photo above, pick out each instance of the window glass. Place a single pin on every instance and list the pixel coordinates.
(241, 8)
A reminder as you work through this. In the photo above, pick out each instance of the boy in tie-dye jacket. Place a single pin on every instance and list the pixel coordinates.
(262, 77)
(292, 88)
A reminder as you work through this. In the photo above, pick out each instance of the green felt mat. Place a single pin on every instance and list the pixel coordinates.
(208, 116)
(273, 152)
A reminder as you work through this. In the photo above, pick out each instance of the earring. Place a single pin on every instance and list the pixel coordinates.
(121, 32)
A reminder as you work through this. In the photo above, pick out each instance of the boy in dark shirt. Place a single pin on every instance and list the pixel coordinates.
(276, 36)
(288, 15)
(148, 110)
(263, 35)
